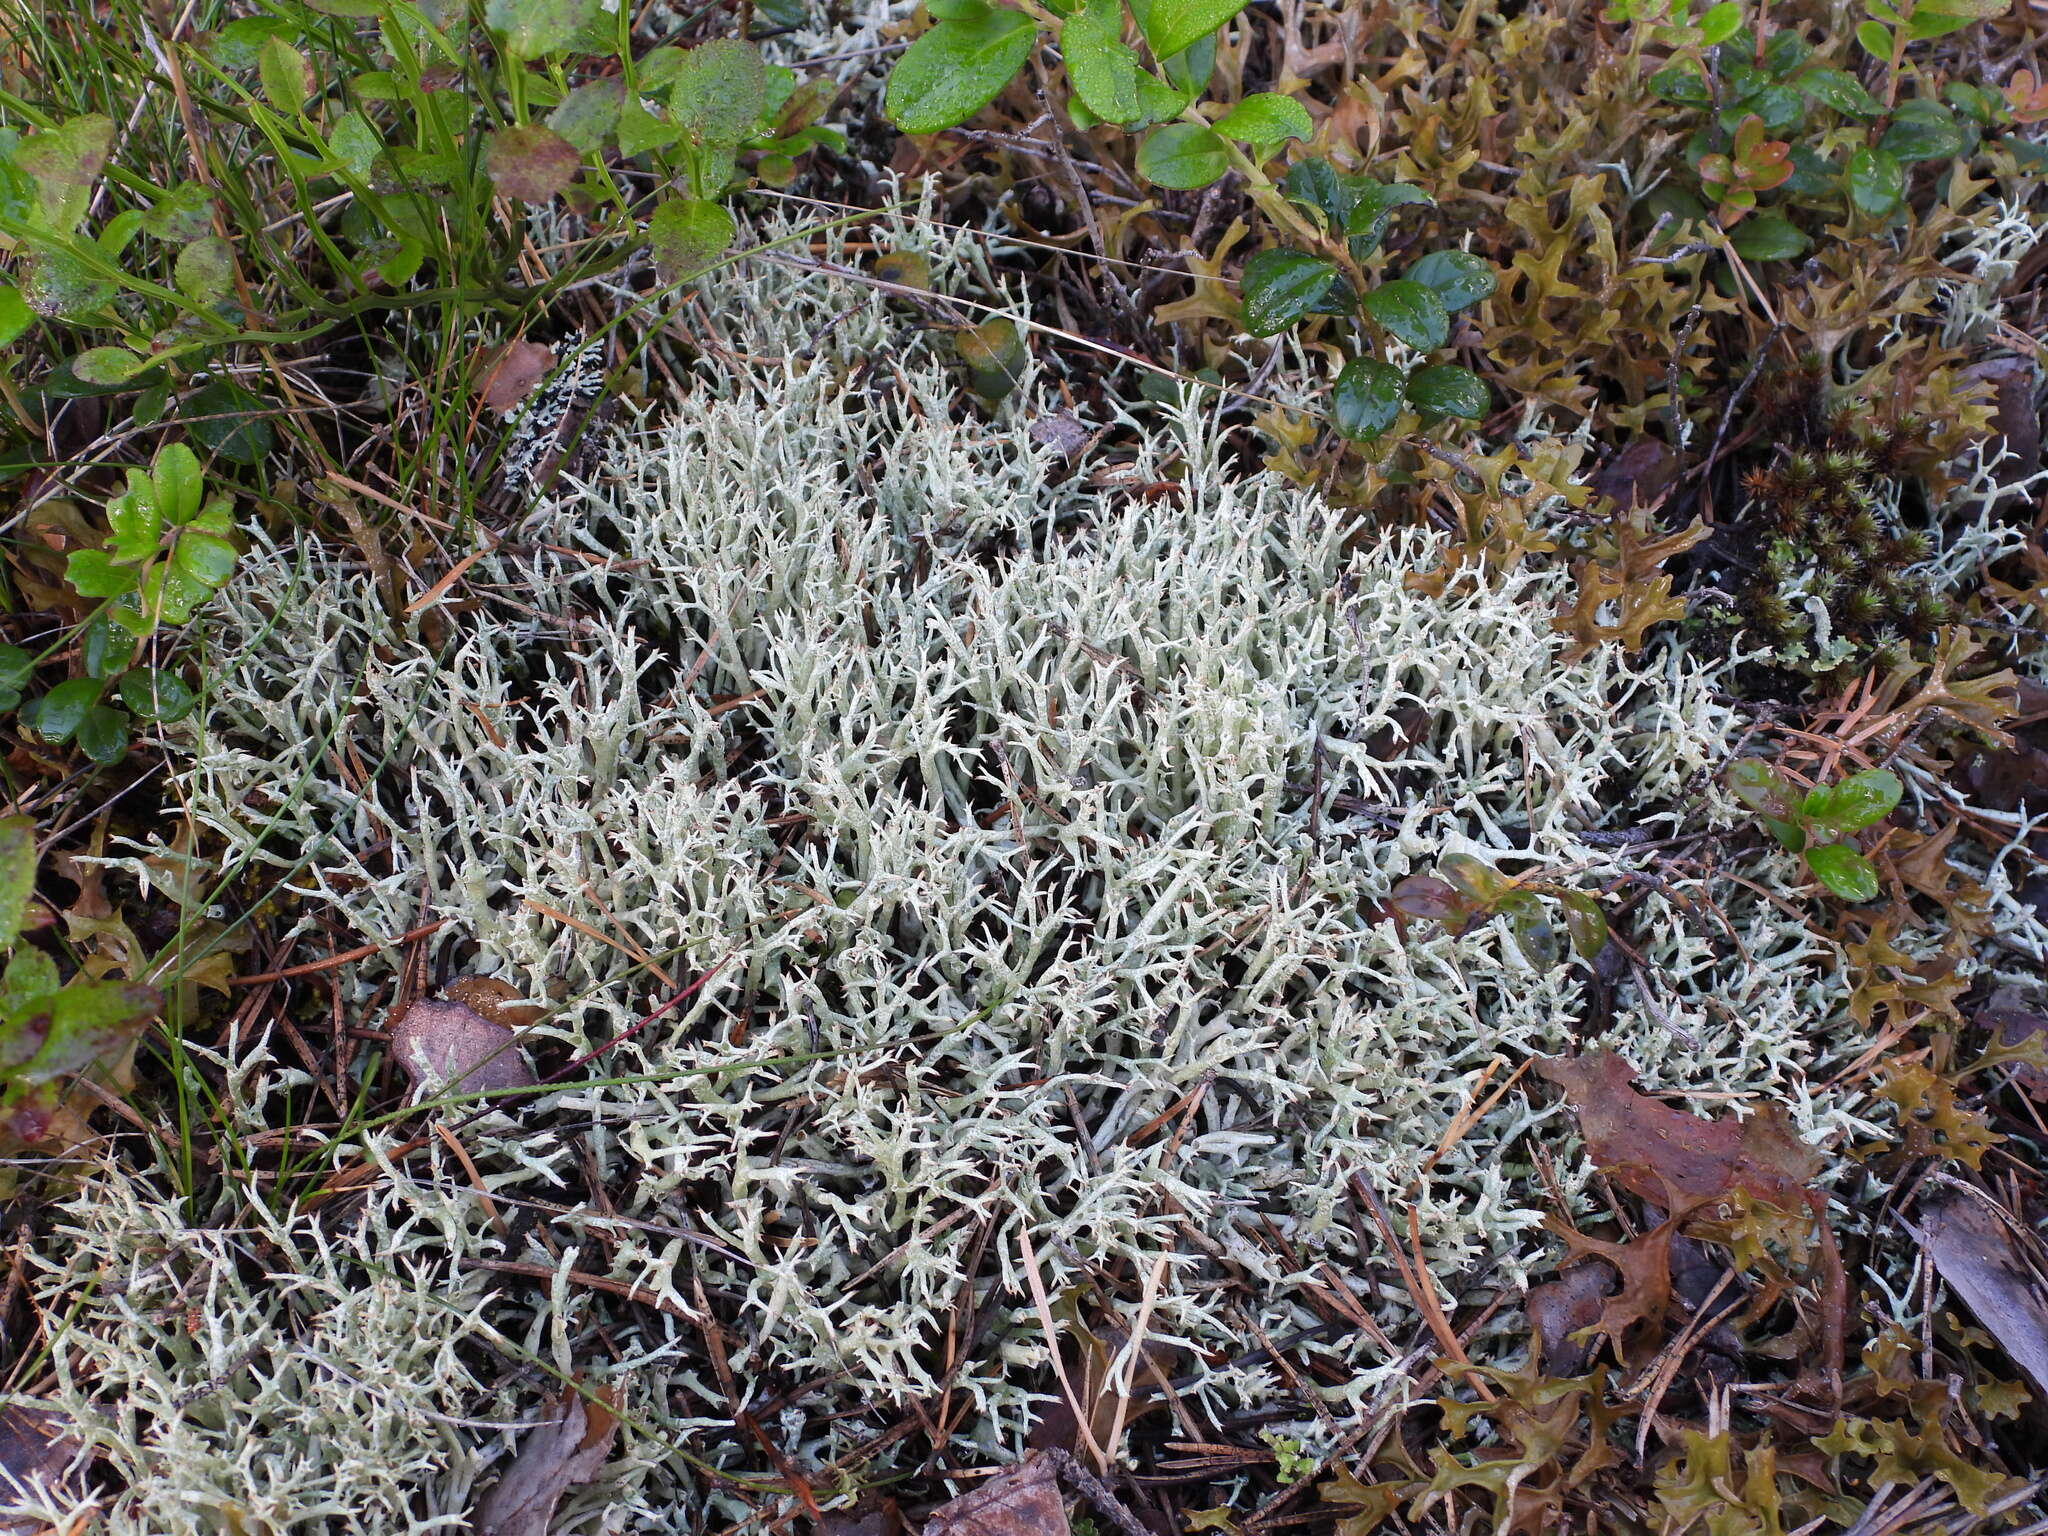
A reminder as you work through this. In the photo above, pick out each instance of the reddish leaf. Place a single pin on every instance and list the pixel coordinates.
(1640, 475)
(1426, 896)
(1024, 1501)
(530, 162)
(1575, 1300)
(445, 1044)
(1671, 1157)
(511, 373)
(1643, 1268)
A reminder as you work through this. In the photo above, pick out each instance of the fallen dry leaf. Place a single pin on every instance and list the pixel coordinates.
(1994, 1264)
(1062, 431)
(511, 373)
(1671, 1157)
(493, 999)
(556, 1456)
(1639, 475)
(35, 1448)
(2013, 1023)
(1024, 1501)
(1559, 1308)
(447, 1045)
(871, 1517)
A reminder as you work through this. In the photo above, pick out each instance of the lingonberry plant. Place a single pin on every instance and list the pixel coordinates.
(1331, 224)
(1820, 824)
(1761, 94)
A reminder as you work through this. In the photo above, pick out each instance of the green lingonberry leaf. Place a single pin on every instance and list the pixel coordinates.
(1281, 286)
(1445, 389)
(956, 69)
(1411, 311)
(1183, 156)
(1843, 870)
(1367, 398)
(1458, 277)
(1101, 65)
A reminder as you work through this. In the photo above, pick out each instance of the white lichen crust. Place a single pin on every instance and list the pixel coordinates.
(1040, 823)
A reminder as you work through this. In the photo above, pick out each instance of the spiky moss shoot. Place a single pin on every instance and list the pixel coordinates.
(1909, 548)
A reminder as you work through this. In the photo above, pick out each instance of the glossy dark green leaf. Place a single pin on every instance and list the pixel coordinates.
(1874, 182)
(956, 69)
(1922, 130)
(1784, 51)
(102, 734)
(1459, 277)
(1411, 311)
(1838, 89)
(1768, 237)
(1445, 389)
(1366, 399)
(1279, 287)
(1315, 184)
(1369, 205)
(1158, 102)
(104, 648)
(16, 667)
(1189, 71)
(1779, 106)
(1183, 156)
(153, 694)
(1683, 85)
(63, 707)
(229, 420)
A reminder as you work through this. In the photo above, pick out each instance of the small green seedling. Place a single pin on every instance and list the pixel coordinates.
(169, 551)
(1820, 823)
(1471, 892)
(51, 1032)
